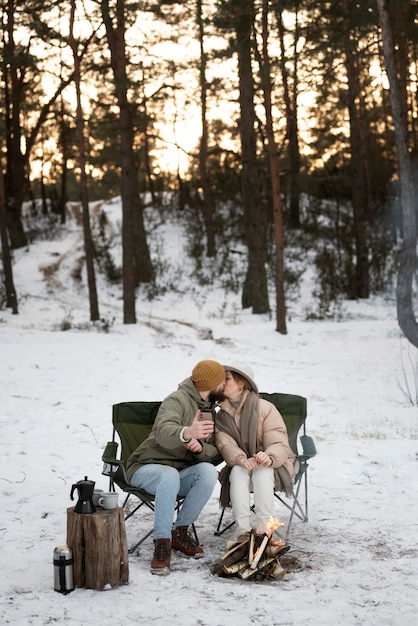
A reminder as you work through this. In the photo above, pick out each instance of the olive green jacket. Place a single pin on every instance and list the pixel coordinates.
(163, 445)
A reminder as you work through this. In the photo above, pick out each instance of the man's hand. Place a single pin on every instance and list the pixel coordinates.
(200, 429)
(194, 446)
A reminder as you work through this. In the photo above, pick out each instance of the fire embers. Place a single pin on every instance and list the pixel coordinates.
(255, 558)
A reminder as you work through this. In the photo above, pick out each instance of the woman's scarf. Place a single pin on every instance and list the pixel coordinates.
(245, 436)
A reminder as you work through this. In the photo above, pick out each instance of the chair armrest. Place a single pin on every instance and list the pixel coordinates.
(110, 462)
(110, 452)
(308, 447)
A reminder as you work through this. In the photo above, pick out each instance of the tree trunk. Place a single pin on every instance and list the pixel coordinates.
(100, 548)
(15, 170)
(147, 156)
(11, 298)
(255, 291)
(358, 184)
(408, 255)
(132, 217)
(208, 203)
(88, 240)
(291, 118)
(275, 178)
(64, 133)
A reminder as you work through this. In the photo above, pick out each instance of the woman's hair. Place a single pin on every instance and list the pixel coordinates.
(240, 379)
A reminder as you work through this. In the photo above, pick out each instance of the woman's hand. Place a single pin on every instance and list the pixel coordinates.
(258, 460)
(250, 463)
(261, 458)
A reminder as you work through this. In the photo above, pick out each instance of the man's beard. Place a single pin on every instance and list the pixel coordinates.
(216, 396)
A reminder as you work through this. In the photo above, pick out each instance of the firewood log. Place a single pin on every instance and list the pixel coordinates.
(237, 554)
(247, 573)
(276, 549)
(235, 567)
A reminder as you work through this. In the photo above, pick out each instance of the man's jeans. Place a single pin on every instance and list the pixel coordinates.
(195, 483)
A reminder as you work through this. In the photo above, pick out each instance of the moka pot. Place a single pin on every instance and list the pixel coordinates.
(85, 490)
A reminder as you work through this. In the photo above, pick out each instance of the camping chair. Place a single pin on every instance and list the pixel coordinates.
(132, 423)
(293, 409)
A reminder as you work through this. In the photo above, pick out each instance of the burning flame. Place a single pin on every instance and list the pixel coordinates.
(273, 524)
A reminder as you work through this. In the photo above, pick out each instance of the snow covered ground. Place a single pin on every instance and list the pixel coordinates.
(354, 562)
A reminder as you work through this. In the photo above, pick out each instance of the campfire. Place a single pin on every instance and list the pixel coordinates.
(254, 558)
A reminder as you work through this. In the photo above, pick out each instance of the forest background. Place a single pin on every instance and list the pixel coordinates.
(288, 126)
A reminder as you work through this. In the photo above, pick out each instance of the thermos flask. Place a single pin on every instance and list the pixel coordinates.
(63, 569)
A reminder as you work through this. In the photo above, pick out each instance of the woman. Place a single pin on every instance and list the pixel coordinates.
(252, 438)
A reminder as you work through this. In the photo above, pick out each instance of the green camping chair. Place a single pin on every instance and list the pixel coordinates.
(293, 409)
(132, 423)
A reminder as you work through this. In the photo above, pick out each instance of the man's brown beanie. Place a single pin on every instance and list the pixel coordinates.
(207, 375)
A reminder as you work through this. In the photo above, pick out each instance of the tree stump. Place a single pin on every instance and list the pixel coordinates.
(100, 548)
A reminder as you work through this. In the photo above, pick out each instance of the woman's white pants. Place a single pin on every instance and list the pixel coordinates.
(260, 482)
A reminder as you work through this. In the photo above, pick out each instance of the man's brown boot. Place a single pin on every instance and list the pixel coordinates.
(160, 563)
(182, 541)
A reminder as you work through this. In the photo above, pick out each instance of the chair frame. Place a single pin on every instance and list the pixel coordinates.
(293, 409)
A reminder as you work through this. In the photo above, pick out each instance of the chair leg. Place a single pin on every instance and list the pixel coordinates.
(216, 533)
(196, 538)
(299, 513)
(306, 496)
(296, 508)
(138, 543)
(219, 532)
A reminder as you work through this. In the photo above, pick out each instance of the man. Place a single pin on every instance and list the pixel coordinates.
(175, 460)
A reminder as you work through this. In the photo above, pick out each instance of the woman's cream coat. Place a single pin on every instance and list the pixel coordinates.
(272, 437)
